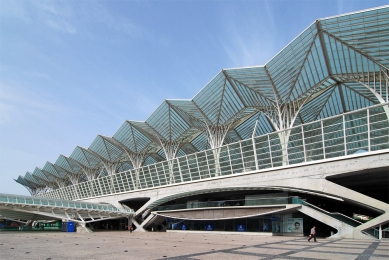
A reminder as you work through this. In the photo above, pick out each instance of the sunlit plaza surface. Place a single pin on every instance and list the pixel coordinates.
(180, 245)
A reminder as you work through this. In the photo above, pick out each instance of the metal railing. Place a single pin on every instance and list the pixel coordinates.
(359, 131)
(339, 216)
(230, 203)
(36, 201)
(371, 232)
(30, 228)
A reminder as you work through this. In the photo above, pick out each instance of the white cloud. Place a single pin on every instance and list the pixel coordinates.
(57, 15)
(15, 9)
(20, 103)
(96, 13)
(251, 43)
(5, 113)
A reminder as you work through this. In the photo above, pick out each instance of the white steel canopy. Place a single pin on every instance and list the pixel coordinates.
(337, 65)
(35, 208)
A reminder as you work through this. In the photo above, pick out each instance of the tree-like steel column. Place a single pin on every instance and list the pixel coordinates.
(170, 149)
(216, 136)
(137, 160)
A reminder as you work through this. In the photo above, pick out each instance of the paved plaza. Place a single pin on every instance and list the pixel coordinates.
(179, 245)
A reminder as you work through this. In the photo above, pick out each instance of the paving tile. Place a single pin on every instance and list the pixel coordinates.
(262, 250)
(357, 242)
(381, 251)
(339, 250)
(329, 256)
(225, 256)
(302, 240)
(378, 258)
(179, 245)
(284, 246)
(383, 247)
(296, 242)
(346, 246)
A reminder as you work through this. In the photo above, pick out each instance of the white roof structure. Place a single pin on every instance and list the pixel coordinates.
(337, 65)
(35, 208)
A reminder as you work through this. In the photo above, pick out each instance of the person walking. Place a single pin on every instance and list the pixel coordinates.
(313, 234)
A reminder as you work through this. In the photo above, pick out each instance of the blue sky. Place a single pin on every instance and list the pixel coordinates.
(70, 70)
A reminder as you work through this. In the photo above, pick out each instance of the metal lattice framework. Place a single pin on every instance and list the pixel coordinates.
(337, 65)
(362, 131)
(35, 208)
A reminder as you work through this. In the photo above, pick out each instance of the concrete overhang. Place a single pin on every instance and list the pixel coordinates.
(205, 191)
(234, 212)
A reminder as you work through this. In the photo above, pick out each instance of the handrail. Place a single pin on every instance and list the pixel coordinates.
(25, 200)
(334, 213)
(230, 203)
(324, 141)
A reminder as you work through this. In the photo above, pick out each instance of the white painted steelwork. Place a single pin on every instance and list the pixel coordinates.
(337, 136)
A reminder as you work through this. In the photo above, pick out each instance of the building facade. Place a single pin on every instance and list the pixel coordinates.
(273, 149)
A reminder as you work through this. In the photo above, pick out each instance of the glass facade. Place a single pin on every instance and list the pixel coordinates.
(324, 95)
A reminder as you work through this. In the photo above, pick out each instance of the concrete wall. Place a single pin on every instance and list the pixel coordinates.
(222, 213)
(309, 177)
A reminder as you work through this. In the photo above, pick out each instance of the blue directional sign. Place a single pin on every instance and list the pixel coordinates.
(241, 228)
(209, 227)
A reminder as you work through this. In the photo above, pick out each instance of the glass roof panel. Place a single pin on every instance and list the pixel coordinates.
(285, 67)
(69, 165)
(29, 185)
(356, 96)
(246, 129)
(106, 149)
(167, 123)
(38, 173)
(135, 136)
(250, 97)
(84, 157)
(189, 148)
(188, 107)
(125, 167)
(311, 111)
(150, 160)
(189, 113)
(313, 72)
(64, 164)
(345, 60)
(47, 180)
(216, 101)
(366, 31)
(201, 143)
(62, 172)
(356, 48)
(53, 171)
(29, 177)
(255, 78)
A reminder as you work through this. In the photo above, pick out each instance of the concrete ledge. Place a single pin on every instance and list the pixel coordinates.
(269, 234)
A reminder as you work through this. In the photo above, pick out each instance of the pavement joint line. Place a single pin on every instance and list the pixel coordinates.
(226, 251)
(292, 248)
(233, 251)
(378, 255)
(287, 254)
(368, 252)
